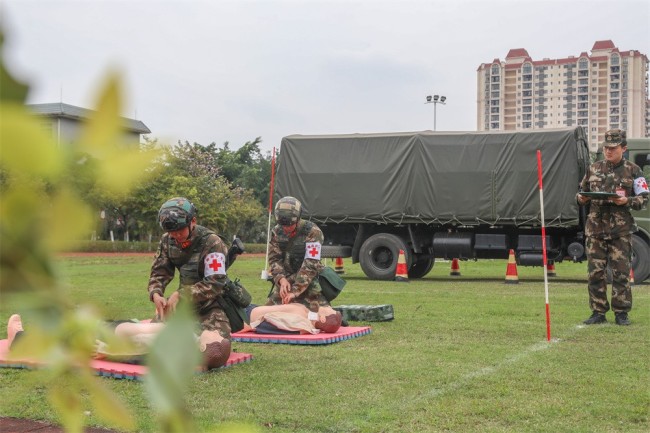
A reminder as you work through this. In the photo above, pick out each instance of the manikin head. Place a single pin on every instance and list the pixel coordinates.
(329, 320)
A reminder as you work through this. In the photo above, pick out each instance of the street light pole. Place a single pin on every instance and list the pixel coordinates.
(435, 100)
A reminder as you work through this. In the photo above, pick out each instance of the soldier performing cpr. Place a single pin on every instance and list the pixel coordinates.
(294, 257)
(200, 256)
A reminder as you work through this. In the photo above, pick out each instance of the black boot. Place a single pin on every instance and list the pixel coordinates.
(595, 318)
(622, 319)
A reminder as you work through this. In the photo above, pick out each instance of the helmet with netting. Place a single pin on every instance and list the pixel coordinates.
(288, 211)
(176, 213)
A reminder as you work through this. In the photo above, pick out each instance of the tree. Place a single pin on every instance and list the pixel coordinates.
(193, 171)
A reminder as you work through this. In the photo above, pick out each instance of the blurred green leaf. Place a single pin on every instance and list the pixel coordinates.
(107, 406)
(68, 219)
(41, 212)
(26, 148)
(172, 361)
(121, 162)
(67, 402)
(104, 129)
(24, 259)
(35, 345)
(10, 88)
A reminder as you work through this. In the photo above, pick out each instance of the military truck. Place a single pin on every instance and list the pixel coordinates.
(464, 195)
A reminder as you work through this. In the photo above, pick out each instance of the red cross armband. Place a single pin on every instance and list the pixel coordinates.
(215, 264)
(640, 186)
(312, 250)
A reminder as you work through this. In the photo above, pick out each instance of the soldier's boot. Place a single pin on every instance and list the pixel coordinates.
(595, 318)
(622, 319)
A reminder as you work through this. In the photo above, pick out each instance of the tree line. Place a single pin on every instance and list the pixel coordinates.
(230, 189)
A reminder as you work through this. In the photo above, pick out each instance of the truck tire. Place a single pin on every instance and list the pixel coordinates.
(421, 267)
(640, 259)
(379, 254)
(333, 251)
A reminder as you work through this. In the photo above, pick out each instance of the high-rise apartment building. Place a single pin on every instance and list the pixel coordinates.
(604, 90)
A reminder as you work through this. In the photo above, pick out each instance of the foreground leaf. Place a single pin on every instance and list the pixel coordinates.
(107, 405)
(172, 362)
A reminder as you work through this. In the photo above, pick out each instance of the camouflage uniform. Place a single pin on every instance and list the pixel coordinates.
(366, 313)
(204, 292)
(288, 258)
(609, 231)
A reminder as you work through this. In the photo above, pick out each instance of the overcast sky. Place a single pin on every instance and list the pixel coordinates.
(216, 71)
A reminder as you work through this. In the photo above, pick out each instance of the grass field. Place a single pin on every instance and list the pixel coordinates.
(464, 354)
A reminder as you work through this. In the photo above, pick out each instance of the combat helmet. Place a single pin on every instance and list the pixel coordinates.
(176, 213)
(288, 211)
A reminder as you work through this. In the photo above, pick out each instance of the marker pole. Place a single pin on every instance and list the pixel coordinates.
(541, 203)
(265, 274)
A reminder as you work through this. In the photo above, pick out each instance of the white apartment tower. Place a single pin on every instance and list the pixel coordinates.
(604, 90)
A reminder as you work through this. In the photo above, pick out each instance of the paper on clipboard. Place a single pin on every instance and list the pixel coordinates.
(600, 195)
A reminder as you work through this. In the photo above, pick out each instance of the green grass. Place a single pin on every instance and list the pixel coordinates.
(464, 354)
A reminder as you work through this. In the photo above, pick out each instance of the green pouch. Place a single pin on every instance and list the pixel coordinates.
(331, 284)
(233, 302)
(236, 315)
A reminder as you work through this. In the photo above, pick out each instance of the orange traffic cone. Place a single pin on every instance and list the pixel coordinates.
(550, 269)
(401, 272)
(455, 269)
(338, 268)
(631, 276)
(511, 270)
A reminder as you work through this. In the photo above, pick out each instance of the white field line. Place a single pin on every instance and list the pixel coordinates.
(486, 371)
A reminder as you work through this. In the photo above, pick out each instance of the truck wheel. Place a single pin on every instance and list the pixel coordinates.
(334, 251)
(421, 267)
(379, 253)
(640, 259)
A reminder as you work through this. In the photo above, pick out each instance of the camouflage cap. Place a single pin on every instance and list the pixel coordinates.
(176, 213)
(615, 137)
(288, 211)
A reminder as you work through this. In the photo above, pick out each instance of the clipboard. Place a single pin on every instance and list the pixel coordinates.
(599, 195)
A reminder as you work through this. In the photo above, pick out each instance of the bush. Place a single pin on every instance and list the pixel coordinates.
(137, 247)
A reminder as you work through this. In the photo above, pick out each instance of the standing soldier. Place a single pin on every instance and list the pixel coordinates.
(610, 225)
(294, 257)
(201, 259)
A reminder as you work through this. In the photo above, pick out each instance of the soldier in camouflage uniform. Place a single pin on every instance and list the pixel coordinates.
(609, 227)
(294, 257)
(200, 257)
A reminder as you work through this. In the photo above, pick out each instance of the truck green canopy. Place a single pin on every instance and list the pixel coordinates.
(464, 178)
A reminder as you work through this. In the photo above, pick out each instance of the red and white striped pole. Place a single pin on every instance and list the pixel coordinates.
(265, 274)
(541, 203)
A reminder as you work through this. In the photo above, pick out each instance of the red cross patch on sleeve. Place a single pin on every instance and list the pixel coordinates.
(312, 250)
(215, 264)
(640, 186)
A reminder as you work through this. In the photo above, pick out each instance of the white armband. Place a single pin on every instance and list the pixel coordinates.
(312, 250)
(640, 186)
